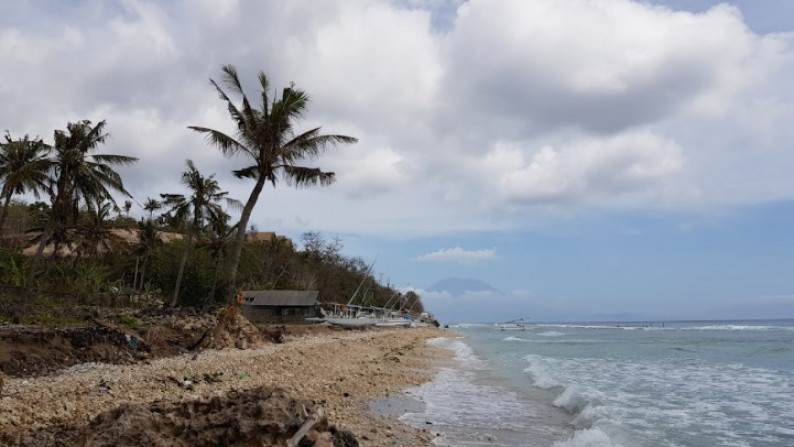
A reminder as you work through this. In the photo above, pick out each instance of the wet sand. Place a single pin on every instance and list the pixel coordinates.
(343, 373)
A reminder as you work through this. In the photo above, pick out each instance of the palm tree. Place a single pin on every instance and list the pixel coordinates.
(23, 168)
(148, 241)
(218, 239)
(94, 234)
(266, 137)
(201, 206)
(78, 175)
(151, 205)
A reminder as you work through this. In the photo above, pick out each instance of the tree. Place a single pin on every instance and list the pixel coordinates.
(148, 241)
(95, 235)
(79, 175)
(266, 137)
(203, 205)
(23, 168)
(151, 205)
(217, 242)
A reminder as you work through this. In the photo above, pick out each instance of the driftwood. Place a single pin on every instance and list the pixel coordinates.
(296, 438)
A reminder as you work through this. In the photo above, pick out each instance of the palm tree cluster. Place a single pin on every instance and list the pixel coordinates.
(82, 184)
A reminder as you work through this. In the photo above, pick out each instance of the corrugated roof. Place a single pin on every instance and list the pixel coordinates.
(294, 298)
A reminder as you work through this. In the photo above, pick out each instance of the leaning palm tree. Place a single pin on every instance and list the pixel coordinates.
(23, 168)
(266, 137)
(201, 206)
(78, 176)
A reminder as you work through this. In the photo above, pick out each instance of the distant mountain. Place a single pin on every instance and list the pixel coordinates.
(459, 286)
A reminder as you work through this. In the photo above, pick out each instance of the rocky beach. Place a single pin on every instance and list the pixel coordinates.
(313, 388)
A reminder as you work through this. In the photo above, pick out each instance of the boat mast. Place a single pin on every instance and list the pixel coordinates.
(366, 276)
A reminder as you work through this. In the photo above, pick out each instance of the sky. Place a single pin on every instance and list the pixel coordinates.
(581, 159)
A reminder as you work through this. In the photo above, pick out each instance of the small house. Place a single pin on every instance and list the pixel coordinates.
(280, 306)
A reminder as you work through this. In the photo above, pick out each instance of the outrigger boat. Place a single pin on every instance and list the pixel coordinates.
(512, 325)
(360, 316)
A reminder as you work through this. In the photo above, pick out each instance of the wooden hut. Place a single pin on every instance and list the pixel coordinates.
(280, 306)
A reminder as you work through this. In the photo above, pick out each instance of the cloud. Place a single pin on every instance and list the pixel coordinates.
(586, 168)
(626, 64)
(471, 116)
(458, 255)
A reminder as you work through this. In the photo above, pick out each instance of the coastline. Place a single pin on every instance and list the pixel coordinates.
(341, 372)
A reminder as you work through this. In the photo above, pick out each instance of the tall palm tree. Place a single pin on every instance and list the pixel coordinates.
(23, 168)
(79, 175)
(266, 137)
(201, 206)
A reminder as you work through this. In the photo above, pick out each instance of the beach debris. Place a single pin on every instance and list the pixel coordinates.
(185, 383)
(311, 422)
(104, 386)
(188, 383)
(1, 383)
(233, 330)
(213, 378)
(263, 416)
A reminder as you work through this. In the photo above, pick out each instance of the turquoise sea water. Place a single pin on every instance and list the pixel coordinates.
(687, 384)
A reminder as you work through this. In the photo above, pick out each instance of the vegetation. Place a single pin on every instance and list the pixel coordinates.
(77, 245)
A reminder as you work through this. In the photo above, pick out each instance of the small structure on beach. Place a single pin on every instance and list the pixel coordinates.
(280, 306)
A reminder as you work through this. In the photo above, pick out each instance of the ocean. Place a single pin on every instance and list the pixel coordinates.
(671, 384)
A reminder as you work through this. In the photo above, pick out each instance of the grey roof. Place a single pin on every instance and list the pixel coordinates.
(294, 298)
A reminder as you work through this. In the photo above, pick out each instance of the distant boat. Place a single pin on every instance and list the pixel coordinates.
(512, 325)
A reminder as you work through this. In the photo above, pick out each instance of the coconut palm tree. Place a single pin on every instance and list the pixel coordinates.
(151, 205)
(148, 241)
(217, 241)
(94, 233)
(23, 168)
(78, 175)
(266, 137)
(201, 206)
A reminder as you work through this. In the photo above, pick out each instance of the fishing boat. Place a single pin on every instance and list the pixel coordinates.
(512, 325)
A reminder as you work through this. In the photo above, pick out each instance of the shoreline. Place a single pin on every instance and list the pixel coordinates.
(342, 372)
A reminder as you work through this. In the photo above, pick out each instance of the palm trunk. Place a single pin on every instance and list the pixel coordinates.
(215, 278)
(143, 272)
(4, 214)
(135, 276)
(46, 235)
(237, 250)
(181, 272)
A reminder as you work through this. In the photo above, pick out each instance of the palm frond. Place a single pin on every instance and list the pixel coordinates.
(248, 172)
(228, 145)
(311, 144)
(299, 176)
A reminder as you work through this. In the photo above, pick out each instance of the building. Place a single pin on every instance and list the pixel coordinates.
(280, 306)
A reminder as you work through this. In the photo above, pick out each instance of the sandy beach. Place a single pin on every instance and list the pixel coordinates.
(340, 372)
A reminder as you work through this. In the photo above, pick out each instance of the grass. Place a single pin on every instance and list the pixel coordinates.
(49, 320)
(130, 321)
